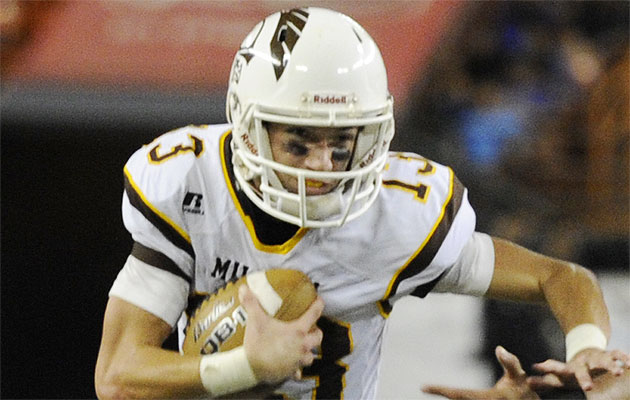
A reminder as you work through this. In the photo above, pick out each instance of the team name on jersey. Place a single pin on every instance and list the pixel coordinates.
(228, 270)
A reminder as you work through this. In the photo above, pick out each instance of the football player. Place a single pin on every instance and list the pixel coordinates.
(302, 178)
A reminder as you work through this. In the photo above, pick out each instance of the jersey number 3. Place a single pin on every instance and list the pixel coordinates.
(328, 370)
(195, 147)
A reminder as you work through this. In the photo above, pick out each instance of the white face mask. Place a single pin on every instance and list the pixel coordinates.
(345, 88)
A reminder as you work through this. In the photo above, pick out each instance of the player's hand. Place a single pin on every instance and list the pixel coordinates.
(580, 371)
(277, 350)
(512, 386)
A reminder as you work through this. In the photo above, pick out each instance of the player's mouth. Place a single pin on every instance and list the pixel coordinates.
(315, 187)
(314, 184)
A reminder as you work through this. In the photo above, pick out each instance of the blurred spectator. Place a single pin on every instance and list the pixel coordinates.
(528, 101)
(581, 161)
(18, 19)
(607, 143)
(503, 102)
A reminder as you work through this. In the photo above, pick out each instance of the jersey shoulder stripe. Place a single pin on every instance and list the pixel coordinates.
(158, 260)
(423, 290)
(423, 256)
(161, 221)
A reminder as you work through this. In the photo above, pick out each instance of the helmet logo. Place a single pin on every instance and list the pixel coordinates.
(288, 31)
(249, 144)
(330, 99)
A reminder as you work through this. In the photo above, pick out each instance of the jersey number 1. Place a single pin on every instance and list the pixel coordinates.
(420, 190)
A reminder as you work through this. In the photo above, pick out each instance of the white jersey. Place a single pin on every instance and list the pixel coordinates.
(187, 217)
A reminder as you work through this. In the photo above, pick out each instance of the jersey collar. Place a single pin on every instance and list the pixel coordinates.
(268, 234)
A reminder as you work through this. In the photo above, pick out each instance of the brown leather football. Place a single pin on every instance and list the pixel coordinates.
(218, 323)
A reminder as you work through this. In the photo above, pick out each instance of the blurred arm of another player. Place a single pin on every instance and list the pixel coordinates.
(512, 386)
(606, 385)
(515, 385)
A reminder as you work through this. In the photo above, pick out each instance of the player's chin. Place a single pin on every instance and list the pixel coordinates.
(319, 191)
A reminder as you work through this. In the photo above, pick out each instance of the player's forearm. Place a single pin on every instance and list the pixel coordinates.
(131, 362)
(150, 372)
(575, 298)
(572, 292)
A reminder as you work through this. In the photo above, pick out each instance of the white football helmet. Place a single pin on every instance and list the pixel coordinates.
(309, 67)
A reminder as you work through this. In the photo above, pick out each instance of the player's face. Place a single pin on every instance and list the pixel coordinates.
(312, 148)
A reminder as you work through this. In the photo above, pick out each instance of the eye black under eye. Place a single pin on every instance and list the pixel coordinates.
(297, 149)
(341, 155)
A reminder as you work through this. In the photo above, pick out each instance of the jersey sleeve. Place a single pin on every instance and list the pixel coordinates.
(441, 223)
(152, 289)
(154, 178)
(472, 272)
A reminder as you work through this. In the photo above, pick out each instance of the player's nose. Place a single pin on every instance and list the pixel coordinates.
(320, 158)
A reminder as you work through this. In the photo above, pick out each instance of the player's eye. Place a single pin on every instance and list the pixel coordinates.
(345, 137)
(341, 155)
(296, 149)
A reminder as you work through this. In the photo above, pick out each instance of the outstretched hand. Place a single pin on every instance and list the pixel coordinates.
(580, 371)
(512, 386)
(277, 350)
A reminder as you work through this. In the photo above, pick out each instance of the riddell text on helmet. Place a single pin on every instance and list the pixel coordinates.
(330, 99)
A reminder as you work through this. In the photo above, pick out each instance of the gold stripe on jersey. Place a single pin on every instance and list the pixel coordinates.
(423, 256)
(174, 233)
(283, 248)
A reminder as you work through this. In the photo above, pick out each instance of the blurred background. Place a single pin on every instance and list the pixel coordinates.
(527, 101)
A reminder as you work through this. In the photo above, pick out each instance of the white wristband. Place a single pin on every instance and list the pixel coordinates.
(583, 337)
(226, 372)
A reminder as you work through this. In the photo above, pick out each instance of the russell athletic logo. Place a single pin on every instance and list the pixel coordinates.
(192, 203)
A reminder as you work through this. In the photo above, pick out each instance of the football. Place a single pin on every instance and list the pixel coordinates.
(218, 323)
